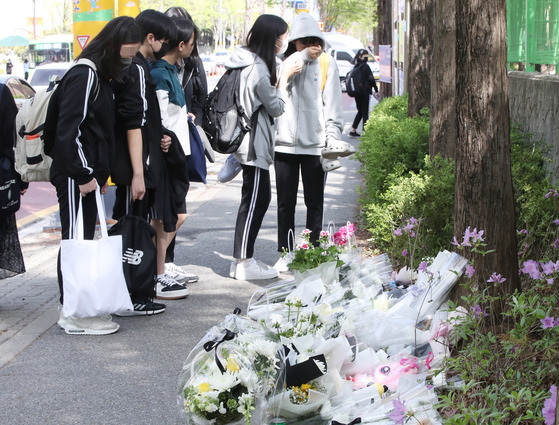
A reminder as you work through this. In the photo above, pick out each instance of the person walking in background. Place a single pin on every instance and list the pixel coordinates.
(9, 66)
(174, 117)
(313, 120)
(84, 142)
(192, 75)
(140, 142)
(26, 69)
(363, 96)
(11, 258)
(262, 92)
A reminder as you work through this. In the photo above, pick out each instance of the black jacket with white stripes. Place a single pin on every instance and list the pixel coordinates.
(136, 106)
(84, 140)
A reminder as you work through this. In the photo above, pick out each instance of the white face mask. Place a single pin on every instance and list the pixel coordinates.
(283, 47)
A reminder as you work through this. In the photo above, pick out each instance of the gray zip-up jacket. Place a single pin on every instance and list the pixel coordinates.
(257, 90)
(313, 117)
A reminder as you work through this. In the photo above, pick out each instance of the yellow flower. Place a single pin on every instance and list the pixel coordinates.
(232, 365)
(305, 387)
(203, 388)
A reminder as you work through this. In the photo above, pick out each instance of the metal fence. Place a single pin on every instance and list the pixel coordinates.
(533, 32)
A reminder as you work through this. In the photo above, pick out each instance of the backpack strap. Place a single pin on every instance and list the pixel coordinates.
(324, 62)
(91, 64)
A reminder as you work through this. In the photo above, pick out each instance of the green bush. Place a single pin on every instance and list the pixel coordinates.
(391, 141)
(428, 196)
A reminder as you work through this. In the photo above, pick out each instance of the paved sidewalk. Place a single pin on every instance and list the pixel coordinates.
(48, 377)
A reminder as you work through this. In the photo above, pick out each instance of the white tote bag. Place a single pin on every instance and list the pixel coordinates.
(92, 274)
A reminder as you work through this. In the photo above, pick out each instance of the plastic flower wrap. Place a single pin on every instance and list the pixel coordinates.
(305, 390)
(227, 375)
(306, 256)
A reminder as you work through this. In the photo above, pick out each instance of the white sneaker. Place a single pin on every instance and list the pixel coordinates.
(62, 320)
(180, 274)
(100, 325)
(168, 288)
(251, 269)
(282, 265)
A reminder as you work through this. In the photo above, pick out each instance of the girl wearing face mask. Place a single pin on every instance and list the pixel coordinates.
(313, 120)
(140, 143)
(261, 90)
(174, 117)
(84, 140)
(362, 98)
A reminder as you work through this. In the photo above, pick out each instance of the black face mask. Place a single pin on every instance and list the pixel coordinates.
(163, 51)
(363, 60)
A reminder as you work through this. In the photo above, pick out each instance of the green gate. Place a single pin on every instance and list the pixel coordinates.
(533, 32)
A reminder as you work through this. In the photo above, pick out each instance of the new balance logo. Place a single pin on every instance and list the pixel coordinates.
(132, 257)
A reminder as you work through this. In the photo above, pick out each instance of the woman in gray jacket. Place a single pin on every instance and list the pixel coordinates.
(261, 90)
(313, 121)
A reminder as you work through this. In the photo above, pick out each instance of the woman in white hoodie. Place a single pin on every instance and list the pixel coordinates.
(313, 120)
(263, 91)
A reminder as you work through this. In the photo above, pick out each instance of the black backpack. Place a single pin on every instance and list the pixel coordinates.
(225, 121)
(354, 82)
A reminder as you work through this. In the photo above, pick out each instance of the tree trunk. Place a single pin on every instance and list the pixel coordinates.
(442, 132)
(421, 41)
(384, 37)
(249, 7)
(484, 195)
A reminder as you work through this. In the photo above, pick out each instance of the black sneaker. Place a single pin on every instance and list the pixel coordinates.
(144, 308)
(354, 134)
(169, 289)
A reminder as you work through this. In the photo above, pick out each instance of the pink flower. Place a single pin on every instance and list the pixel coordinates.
(405, 253)
(549, 281)
(496, 278)
(549, 405)
(478, 312)
(398, 232)
(470, 271)
(303, 246)
(324, 233)
(399, 413)
(478, 235)
(467, 236)
(306, 232)
(556, 221)
(423, 266)
(548, 267)
(532, 268)
(549, 322)
(455, 242)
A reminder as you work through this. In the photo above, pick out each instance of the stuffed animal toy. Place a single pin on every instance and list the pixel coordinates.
(389, 373)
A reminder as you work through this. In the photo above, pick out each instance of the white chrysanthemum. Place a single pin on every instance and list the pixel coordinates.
(223, 382)
(266, 348)
(247, 378)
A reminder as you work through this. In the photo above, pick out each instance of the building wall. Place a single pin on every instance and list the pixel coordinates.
(534, 103)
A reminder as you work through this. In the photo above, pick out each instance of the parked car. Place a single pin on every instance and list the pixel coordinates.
(20, 89)
(220, 57)
(46, 73)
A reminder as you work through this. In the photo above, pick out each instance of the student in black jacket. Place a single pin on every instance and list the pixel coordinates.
(140, 143)
(84, 140)
(362, 98)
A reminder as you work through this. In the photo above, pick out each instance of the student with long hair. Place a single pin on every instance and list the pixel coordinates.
(140, 142)
(84, 141)
(261, 90)
(174, 117)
